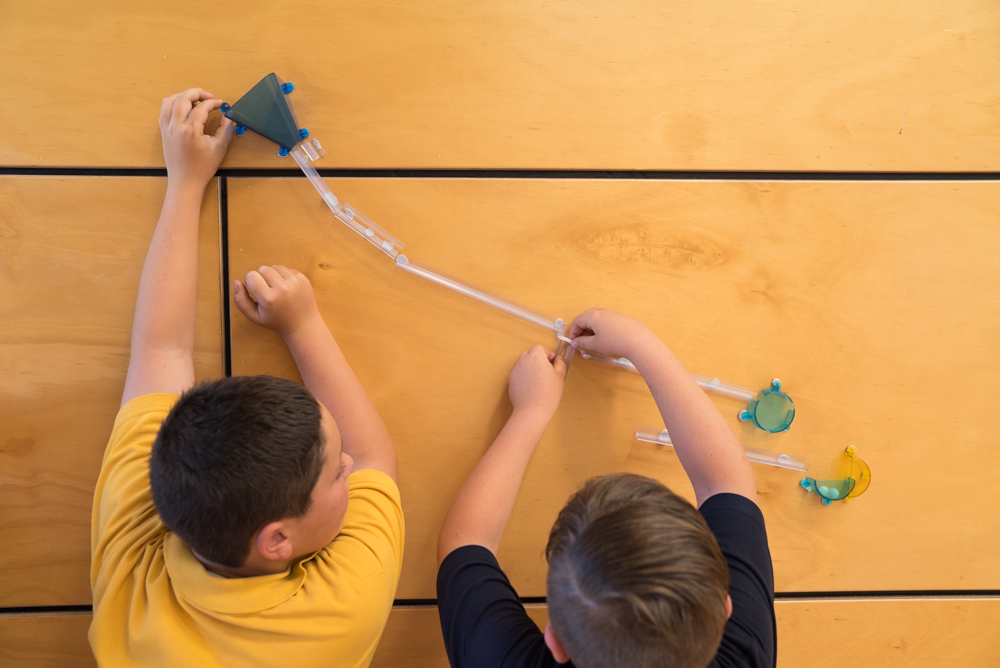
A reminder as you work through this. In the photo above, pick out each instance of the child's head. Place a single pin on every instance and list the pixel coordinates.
(250, 466)
(636, 578)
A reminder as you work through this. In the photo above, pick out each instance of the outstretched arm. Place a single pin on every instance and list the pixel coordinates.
(480, 511)
(709, 452)
(282, 299)
(161, 358)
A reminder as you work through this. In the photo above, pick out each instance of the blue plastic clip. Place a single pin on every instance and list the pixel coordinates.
(282, 151)
(304, 132)
(240, 129)
(287, 88)
(225, 107)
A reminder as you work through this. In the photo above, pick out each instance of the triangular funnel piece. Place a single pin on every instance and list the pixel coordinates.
(265, 110)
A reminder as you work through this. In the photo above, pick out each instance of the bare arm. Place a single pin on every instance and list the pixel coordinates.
(162, 350)
(480, 511)
(283, 300)
(709, 452)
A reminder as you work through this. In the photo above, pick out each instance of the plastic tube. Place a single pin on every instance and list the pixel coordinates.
(344, 212)
(705, 383)
(402, 262)
(662, 437)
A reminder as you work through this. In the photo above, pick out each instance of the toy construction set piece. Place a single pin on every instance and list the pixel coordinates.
(662, 437)
(850, 481)
(266, 110)
(773, 411)
(772, 414)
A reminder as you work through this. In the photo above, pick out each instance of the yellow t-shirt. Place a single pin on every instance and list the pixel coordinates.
(156, 605)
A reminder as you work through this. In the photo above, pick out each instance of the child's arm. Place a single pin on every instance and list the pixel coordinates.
(163, 328)
(283, 300)
(480, 511)
(708, 449)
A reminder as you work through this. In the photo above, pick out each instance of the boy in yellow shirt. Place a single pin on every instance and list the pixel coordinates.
(247, 521)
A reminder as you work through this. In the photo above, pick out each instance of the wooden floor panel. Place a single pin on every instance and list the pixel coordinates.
(823, 633)
(869, 300)
(71, 252)
(779, 85)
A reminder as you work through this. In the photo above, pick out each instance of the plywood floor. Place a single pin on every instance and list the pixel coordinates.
(596, 157)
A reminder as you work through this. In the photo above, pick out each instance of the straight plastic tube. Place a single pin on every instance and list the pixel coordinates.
(344, 212)
(705, 383)
(662, 437)
(402, 262)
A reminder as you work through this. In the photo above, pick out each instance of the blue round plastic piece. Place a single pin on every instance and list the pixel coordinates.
(304, 132)
(225, 107)
(241, 130)
(282, 151)
(287, 88)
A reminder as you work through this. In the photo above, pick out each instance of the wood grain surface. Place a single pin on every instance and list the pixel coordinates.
(775, 85)
(871, 301)
(889, 633)
(71, 252)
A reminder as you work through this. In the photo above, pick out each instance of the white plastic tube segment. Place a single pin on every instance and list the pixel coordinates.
(662, 437)
(344, 212)
(705, 383)
(402, 262)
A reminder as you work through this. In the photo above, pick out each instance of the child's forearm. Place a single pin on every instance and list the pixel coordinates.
(706, 446)
(165, 310)
(330, 378)
(479, 513)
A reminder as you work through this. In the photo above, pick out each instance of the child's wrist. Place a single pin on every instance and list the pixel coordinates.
(533, 416)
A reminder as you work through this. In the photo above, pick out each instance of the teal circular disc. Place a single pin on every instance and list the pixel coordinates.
(774, 412)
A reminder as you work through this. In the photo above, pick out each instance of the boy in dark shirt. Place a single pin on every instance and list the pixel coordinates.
(637, 577)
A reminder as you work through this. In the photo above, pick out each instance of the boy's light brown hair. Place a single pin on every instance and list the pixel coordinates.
(636, 577)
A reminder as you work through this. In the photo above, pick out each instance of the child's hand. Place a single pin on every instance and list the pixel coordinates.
(276, 297)
(536, 381)
(610, 333)
(192, 157)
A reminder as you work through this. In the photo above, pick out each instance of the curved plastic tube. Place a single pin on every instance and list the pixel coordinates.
(705, 383)
(402, 262)
(344, 212)
(662, 437)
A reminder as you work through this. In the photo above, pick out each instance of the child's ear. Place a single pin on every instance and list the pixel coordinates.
(273, 541)
(729, 606)
(554, 645)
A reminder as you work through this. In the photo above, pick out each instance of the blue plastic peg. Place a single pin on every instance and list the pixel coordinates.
(282, 151)
(287, 88)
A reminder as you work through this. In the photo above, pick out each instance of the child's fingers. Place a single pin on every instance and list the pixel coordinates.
(581, 323)
(183, 102)
(257, 286)
(199, 115)
(559, 365)
(284, 271)
(272, 277)
(224, 133)
(165, 108)
(584, 342)
(245, 303)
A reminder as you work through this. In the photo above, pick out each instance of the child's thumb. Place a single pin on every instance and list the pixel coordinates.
(245, 303)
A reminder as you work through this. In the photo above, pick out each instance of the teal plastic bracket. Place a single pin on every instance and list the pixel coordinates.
(773, 411)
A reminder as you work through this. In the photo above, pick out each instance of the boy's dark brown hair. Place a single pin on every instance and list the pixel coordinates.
(636, 577)
(233, 455)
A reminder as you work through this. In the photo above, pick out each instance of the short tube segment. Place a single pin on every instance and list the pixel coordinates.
(662, 437)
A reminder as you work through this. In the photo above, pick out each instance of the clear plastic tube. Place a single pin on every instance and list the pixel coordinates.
(705, 383)
(344, 212)
(662, 437)
(557, 325)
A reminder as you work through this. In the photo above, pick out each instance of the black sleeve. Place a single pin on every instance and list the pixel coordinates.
(750, 638)
(482, 619)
